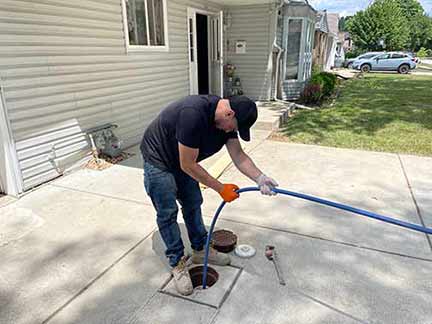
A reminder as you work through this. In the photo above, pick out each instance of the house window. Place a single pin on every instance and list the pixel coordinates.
(293, 49)
(145, 24)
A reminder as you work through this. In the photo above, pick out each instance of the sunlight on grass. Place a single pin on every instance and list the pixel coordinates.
(382, 112)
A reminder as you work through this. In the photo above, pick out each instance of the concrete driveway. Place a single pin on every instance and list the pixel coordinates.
(84, 249)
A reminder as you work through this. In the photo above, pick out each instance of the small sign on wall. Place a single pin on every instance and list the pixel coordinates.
(240, 47)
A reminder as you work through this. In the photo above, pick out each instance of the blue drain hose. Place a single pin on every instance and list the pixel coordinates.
(386, 219)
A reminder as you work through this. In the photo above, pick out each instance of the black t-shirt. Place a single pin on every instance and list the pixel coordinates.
(189, 121)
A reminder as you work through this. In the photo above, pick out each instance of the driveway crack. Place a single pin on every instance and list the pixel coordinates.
(419, 214)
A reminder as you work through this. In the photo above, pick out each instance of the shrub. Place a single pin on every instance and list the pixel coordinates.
(326, 80)
(353, 53)
(312, 94)
(429, 52)
(349, 55)
(316, 68)
(423, 52)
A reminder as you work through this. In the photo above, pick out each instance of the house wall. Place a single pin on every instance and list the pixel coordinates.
(64, 68)
(254, 25)
(319, 51)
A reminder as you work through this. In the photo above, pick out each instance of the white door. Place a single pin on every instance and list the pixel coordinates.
(215, 36)
(193, 61)
(216, 54)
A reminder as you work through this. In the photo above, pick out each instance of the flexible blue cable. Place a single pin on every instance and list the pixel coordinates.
(358, 211)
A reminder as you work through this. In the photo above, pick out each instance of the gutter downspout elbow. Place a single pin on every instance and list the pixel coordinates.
(280, 49)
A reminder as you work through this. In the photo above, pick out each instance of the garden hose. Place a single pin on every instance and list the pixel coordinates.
(354, 210)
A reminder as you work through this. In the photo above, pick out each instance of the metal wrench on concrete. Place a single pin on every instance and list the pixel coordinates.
(271, 255)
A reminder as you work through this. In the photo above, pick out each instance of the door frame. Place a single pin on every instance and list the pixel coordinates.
(193, 66)
(10, 174)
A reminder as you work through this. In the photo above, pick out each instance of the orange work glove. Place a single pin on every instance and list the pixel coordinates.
(228, 193)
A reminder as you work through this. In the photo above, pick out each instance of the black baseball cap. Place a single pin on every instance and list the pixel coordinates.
(246, 114)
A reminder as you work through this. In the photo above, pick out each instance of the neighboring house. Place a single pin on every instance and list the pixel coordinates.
(333, 40)
(297, 38)
(67, 66)
(347, 41)
(321, 40)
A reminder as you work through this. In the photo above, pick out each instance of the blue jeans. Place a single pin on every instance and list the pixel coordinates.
(164, 189)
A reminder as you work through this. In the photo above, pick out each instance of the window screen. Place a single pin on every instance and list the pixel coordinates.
(145, 21)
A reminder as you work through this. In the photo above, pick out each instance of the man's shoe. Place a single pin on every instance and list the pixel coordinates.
(215, 257)
(182, 279)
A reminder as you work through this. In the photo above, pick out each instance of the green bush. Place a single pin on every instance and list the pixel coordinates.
(316, 68)
(353, 53)
(312, 94)
(326, 80)
(349, 55)
(423, 52)
(429, 52)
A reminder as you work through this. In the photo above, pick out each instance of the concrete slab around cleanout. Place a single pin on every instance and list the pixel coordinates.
(367, 180)
(214, 295)
(327, 282)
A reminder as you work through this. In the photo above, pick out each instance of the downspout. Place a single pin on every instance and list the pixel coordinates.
(280, 49)
(12, 176)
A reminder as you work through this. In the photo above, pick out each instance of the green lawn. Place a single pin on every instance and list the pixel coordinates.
(381, 112)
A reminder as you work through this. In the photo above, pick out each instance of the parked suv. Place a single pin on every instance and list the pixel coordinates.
(392, 61)
(416, 59)
(349, 62)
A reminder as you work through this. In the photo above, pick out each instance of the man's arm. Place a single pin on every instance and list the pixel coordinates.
(241, 160)
(188, 163)
(246, 166)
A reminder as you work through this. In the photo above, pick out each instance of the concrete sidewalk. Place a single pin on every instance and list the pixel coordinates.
(84, 248)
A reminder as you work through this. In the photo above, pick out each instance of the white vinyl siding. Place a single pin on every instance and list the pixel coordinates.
(251, 24)
(64, 69)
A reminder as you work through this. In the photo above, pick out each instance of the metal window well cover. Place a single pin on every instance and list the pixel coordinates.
(224, 240)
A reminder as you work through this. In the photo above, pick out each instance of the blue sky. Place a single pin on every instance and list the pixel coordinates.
(349, 7)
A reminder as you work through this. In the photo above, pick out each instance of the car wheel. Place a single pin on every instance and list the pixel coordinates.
(365, 68)
(350, 65)
(403, 69)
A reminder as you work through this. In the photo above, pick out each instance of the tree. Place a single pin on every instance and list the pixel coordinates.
(342, 23)
(420, 32)
(411, 8)
(383, 25)
(420, 25)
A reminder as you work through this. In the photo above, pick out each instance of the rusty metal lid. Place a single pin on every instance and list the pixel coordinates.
(224, 240)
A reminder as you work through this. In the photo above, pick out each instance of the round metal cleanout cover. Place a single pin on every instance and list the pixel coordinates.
(245, 251)
(224, 241)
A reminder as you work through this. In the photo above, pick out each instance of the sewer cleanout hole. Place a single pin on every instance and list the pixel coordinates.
(196, 274)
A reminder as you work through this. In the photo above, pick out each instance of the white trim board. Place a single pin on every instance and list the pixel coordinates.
(10, 174)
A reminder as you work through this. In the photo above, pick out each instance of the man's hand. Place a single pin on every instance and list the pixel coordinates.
(266, 184)
(228, 192)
